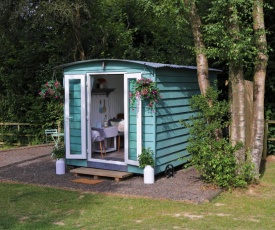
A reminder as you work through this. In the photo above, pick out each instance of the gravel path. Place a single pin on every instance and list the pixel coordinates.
(34, 165)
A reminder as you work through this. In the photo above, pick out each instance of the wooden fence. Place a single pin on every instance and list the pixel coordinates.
(17, 131)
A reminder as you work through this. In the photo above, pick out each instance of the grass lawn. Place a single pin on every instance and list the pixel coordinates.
(33, 207)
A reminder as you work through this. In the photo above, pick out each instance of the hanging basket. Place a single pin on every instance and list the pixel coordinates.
(145, 89)
(52, 89)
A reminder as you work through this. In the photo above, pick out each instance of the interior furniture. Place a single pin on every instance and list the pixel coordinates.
(96, 137)
(119, 123)
(104, 134)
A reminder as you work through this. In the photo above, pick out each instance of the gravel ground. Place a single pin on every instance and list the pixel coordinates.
(33, 165)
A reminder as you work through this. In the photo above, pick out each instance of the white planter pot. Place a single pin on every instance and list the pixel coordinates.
(149, 175)
(60, 166)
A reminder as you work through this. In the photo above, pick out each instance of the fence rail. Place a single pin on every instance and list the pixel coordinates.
(266, 139)
(13, 133)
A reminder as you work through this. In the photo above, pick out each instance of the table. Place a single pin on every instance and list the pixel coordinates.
(56, 138)
(107, 132)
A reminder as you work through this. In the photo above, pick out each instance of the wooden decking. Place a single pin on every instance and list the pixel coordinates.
(96, 173)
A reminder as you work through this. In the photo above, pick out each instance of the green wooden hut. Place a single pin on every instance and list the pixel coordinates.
(87, 104)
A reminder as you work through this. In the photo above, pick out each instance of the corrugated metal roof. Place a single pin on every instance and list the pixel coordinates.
(150, 64)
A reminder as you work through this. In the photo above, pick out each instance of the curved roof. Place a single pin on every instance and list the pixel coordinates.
(150, 64)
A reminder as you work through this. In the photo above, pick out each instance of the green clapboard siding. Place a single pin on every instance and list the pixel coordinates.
(172, 133)
(174, 109)
(161, 130)
(173, 118)
(179, 93)
(171, 86)
(177, 162)
(176, 87)
(80, 163)
(167, 102)
(132, 153)
(167, 142)
(173, 149)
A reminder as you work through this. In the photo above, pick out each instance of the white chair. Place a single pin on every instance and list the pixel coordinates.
(49, 132)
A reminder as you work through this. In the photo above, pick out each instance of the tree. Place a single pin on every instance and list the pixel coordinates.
(228, 27)
(259, 85)
(201, 58)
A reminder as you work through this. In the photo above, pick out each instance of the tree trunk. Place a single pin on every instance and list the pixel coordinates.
(236, 79)
(259, 86)
(237, 127)
(237, 107)
(202, 61)
(201, 58)
(78, 49)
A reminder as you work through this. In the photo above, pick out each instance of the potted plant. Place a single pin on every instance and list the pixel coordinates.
(147, 162)
(59, 155)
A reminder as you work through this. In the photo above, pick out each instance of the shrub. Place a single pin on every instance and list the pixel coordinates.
(214, 157)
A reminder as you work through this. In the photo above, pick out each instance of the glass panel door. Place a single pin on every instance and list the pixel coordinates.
(133, 122)
(75, 117)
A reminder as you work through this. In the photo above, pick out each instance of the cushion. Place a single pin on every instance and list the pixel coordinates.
(120, 126)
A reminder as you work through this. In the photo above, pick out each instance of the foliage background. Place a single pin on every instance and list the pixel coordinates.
(38, 35)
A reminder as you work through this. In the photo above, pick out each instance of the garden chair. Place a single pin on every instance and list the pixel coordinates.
(49, 132)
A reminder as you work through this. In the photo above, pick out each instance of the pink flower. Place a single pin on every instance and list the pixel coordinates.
(144, 91)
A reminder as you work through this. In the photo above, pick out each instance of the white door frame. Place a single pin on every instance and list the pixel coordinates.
(126, 121)
(89, 76)
(68, 117)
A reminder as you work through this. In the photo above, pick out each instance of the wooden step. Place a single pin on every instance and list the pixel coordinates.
(96, 173)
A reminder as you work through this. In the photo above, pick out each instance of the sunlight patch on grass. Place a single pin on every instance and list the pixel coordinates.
(223, 214)
(60, 223)
(138, 221)
(192, 216)
(219, 204)
(81, 196)
(254, 220)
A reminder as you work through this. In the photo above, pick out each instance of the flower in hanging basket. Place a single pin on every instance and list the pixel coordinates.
(145, 89)
(52, 89)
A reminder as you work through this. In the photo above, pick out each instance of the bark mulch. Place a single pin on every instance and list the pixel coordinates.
(33, 165)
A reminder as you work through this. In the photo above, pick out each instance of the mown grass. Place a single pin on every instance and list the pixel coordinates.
(32, 207)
